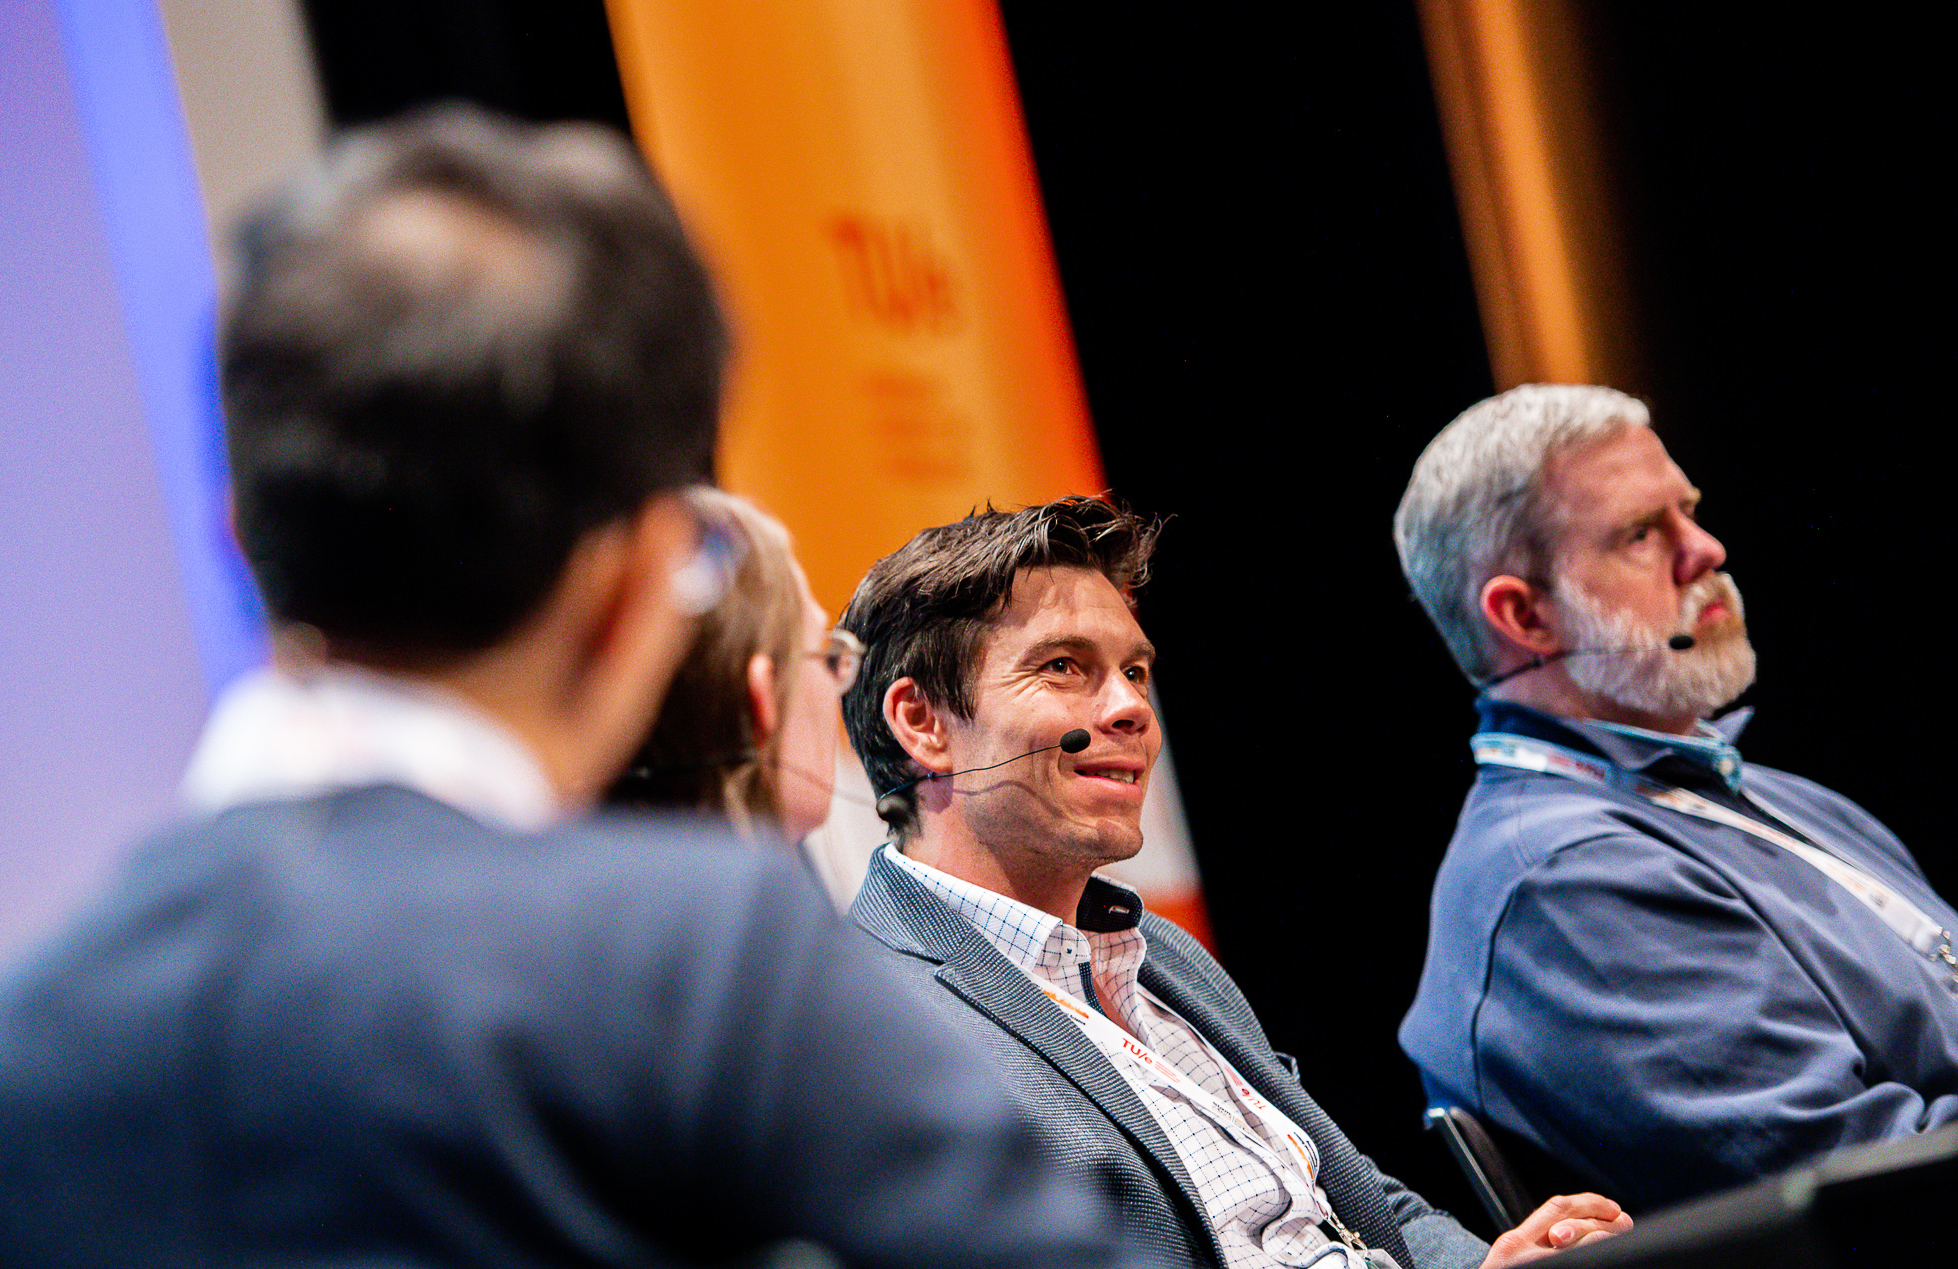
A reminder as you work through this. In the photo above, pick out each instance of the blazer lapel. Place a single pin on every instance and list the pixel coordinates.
(896, 908)
(1350, 1182)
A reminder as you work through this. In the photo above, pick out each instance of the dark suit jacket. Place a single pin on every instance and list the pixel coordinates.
(1084, 1106)
(365, 1029)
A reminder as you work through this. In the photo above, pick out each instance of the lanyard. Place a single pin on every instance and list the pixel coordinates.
(1911, 923)
(1121, 1047)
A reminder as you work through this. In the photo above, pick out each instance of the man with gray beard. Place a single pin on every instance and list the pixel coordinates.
(1671, 970)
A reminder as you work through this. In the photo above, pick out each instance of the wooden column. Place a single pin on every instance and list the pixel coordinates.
(859, 175)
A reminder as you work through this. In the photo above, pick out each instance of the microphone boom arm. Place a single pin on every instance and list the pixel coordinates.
(1681, 642)
(1071, 742)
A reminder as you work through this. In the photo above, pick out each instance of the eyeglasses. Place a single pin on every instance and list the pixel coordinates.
(704, 579)
(842, 656)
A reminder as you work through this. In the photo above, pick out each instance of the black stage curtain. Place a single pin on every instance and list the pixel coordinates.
(525, 58)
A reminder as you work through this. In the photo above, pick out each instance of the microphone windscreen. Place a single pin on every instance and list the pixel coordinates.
(1075, 741)
(1681, 642)
(891, 808)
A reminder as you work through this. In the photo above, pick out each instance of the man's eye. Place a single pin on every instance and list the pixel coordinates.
(1059, 665)
(1137, 674)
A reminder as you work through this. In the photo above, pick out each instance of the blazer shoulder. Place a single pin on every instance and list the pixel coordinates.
(1178, 962)
(909, 920)
(1172, 946)
(383, 883)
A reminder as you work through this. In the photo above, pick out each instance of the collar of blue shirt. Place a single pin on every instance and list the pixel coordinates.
(1710, 755)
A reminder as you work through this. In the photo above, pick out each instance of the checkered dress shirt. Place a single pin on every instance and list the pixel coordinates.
(1264, 1207)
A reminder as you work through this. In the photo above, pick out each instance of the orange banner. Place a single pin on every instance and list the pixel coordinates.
(858, 173)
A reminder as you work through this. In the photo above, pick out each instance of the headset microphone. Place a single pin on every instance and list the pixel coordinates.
(1678, 643)
(890, 808)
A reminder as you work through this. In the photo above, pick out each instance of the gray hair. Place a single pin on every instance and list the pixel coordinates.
(1474, 508)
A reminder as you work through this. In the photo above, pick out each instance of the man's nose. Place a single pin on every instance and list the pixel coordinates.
(1125, 706)
(1700, 553)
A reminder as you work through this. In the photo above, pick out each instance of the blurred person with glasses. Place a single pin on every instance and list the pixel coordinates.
(749, 727)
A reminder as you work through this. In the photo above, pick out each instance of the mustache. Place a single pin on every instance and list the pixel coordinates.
(1708, 590)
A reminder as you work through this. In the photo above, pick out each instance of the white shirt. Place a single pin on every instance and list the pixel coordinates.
(277, 736)
(1264, 1206)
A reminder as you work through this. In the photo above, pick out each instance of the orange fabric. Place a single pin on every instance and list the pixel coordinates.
(858, 173)
(1186, 908)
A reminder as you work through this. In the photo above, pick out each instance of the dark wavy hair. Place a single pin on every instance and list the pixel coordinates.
(925, 609)
(457, 345)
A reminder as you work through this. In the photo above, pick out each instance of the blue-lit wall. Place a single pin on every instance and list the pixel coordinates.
(122, 604)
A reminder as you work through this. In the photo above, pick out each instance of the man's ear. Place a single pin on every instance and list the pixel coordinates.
(1517, 612)
(918, 725)
(764, 711)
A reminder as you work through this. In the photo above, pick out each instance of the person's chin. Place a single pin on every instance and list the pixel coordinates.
(1111, 843)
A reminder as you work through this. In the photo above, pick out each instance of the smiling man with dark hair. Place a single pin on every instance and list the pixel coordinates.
(990, 640)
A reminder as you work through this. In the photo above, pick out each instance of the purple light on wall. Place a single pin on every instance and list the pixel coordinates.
(121, 610)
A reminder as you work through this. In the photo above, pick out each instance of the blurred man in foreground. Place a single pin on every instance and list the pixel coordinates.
(1671, 969)
(375, 1002)
(990, 641)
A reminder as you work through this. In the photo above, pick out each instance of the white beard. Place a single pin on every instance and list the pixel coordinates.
(1641, 673)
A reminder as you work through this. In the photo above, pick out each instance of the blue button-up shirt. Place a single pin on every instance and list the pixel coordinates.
(1670, 1004)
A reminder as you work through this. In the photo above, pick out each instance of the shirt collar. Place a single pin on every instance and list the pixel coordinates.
(1018, 929)
(276, 736)
(1708, 747)
(1710, 754)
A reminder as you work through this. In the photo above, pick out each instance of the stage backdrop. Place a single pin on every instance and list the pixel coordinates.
(859, 174)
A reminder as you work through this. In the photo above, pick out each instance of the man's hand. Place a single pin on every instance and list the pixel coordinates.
(1565, 1221)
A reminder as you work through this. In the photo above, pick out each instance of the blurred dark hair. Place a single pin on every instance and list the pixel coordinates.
(924, 610)
(458, 344)
(701, 753)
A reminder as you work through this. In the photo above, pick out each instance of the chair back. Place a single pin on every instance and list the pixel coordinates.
(1483, 1165)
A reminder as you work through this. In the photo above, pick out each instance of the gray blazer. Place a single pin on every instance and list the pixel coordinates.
(1086, 1109)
